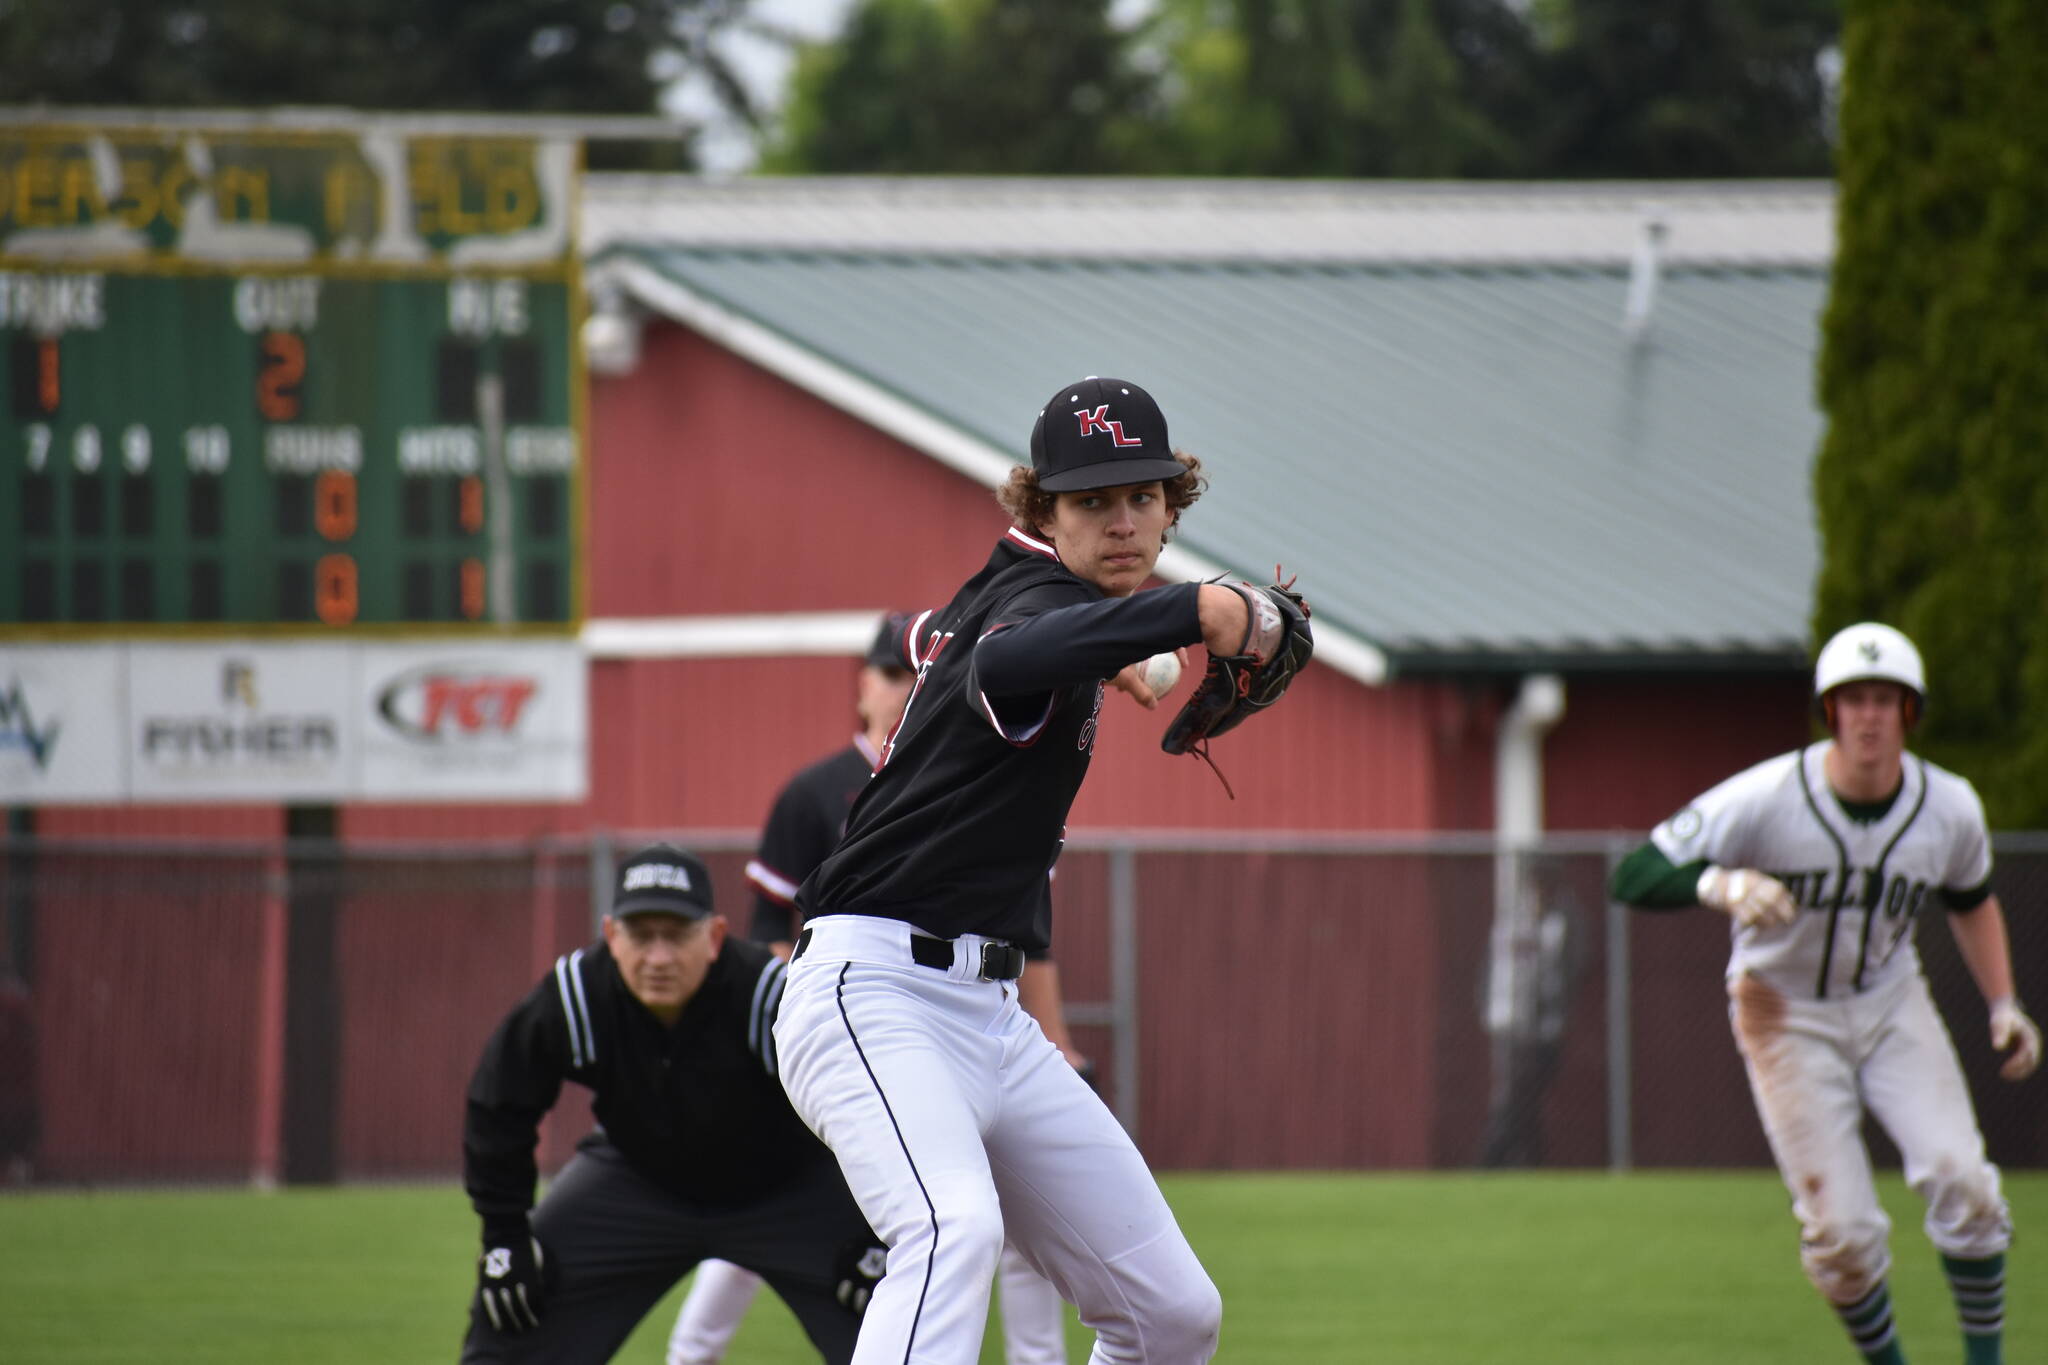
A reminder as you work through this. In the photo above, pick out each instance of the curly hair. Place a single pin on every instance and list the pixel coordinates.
(1030, 506)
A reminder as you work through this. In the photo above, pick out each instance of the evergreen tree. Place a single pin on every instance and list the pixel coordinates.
(1683, 88)
(522, 56)
(1342, 87)
(987, 87)
(1485, 88)
(1929, 486)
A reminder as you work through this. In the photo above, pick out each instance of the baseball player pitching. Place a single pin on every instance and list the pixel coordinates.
(903, 1044)
(1822, 859)
(805, 822)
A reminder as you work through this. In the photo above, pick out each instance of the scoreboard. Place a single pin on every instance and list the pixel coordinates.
(287, 383)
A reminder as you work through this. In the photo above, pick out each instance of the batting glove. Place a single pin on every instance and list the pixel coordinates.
(508, 1278)
(859, 1269)
(1757, 900)
(2010, 1028)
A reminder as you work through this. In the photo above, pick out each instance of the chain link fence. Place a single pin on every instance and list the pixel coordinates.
(308, 1012)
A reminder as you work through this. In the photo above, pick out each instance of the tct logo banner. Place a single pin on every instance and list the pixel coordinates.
(505, 723)
(450, 703)
(60, 733)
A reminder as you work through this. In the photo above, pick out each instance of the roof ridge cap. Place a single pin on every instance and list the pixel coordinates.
(1465, 194)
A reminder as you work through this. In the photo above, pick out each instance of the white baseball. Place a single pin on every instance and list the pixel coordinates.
(1160, 673)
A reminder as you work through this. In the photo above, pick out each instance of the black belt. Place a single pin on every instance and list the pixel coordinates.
(999, 961)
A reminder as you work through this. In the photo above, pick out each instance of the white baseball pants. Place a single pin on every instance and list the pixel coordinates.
(1034, 1316)
(720, 1294)
(1813, 1067)
(952, 1119)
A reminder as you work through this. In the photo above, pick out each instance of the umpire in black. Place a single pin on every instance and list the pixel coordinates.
(698, 1154)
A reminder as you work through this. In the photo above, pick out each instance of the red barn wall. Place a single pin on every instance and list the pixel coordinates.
(715, 487)
(814, 510)
(1633, 749)
(198, 824)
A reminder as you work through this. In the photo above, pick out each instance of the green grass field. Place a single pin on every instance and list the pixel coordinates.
(1553, 1269)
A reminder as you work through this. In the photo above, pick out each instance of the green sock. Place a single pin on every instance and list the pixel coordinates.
(1870, 1325)
(1979, 1289)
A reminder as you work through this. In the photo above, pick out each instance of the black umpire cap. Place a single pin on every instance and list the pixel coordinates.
(663, 879)
(891, 645)
(1101, 433)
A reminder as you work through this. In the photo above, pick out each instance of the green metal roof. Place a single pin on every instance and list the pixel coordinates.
(1469, 466)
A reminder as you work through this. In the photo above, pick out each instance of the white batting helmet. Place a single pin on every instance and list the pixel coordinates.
(1870, 650)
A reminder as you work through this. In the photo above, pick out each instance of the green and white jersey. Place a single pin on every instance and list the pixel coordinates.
(1859, 885)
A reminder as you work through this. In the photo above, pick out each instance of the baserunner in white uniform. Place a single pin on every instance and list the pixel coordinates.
(1822, 858)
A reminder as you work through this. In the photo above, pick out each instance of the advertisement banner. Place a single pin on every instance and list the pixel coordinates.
(60, 732)
(503, 722)
(242, 722)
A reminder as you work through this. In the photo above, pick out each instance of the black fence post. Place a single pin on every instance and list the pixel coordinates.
(312, 1008)
(21, 1118)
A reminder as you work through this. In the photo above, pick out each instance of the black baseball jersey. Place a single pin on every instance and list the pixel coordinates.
(697, 1108)
(958, 830)
(807, 820)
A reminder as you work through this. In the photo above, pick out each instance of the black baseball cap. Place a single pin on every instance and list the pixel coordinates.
(1099, 433)
(663, 879)
(890, 644)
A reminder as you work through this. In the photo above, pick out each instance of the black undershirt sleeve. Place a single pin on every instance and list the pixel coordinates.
(1969, 898)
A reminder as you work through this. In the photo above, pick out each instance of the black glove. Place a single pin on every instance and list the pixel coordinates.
(1278, 644)
(509, 1277)
(858, 1269)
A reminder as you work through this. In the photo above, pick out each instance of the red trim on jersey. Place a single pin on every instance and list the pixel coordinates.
(910, 639)
(1031, 734)
(906, 646)
(936, 644)
(771, 883)
(1032, 543)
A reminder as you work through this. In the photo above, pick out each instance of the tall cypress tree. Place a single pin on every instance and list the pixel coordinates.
(1934, 374)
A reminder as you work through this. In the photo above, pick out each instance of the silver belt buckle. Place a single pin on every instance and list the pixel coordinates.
(1001, 962)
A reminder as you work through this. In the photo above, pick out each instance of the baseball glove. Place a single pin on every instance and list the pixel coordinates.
(1235, 687)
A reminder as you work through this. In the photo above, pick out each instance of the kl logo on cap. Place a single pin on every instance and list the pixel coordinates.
(1091, 422)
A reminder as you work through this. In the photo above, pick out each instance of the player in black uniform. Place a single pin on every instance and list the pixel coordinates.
(667, 1022)
(805, 823)
(902, 1041)
(810, 814)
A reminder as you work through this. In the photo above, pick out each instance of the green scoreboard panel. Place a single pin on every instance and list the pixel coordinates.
(302, 385)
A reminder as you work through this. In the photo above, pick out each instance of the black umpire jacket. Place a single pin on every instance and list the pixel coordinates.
(697, 1108)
